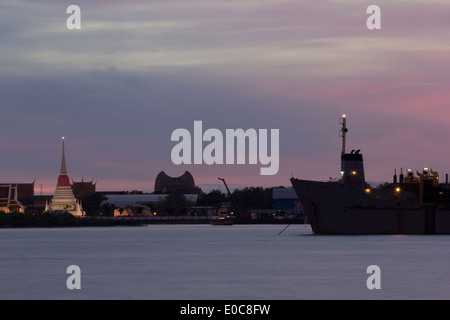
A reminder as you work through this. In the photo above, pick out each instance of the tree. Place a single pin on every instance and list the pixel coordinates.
(93, 204)
(174, 204)
(214, 198)
(108, 209)
(253, 198)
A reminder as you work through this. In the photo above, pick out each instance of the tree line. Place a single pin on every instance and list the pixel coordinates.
(246, 199)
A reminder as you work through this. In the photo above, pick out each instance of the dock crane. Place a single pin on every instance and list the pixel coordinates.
(231, 196)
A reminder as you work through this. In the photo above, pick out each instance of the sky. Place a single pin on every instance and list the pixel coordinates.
(138, 70)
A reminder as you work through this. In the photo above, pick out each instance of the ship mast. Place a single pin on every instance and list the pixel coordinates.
(343, 132)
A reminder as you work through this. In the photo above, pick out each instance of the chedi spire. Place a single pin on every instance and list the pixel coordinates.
(63, 179)
(64, 200)
(63, 160)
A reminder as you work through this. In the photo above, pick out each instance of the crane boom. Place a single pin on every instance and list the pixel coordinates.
(231, 196)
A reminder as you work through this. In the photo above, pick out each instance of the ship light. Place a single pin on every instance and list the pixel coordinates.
(367, 190)
(397, 189)
(154, 213)
(354, 173)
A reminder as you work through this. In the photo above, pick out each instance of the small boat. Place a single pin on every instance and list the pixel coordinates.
(221, 220)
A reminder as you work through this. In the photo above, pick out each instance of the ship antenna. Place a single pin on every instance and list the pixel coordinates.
(343, 131)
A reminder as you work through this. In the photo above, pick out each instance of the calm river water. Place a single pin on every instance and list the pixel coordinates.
(168, 262)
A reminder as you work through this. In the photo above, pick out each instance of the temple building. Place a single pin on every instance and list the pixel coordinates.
(64, 199)
(83, 189)
(20, 197)
(9, 198)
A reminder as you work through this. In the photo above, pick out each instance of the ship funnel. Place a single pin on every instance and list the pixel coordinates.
(352, 168)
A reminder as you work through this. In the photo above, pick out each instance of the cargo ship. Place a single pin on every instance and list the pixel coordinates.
(414, 203)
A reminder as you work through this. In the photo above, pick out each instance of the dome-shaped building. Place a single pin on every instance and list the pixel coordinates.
(182, 184)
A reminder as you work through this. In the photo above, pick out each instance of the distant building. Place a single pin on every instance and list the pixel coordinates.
(286, 200)
(182, 184)
(64, 199)
(36, 203)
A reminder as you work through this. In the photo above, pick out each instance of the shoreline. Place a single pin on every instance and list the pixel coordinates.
(49, 220)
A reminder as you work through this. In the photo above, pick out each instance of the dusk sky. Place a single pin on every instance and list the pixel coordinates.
(138, 70)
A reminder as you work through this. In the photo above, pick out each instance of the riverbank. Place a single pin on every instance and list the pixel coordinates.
(36, 220)
(24, 220)
(187, 219)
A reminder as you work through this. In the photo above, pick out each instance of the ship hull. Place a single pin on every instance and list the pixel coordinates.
(334, 208)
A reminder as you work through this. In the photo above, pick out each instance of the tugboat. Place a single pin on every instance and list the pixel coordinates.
(221, 220)
(413, 204)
